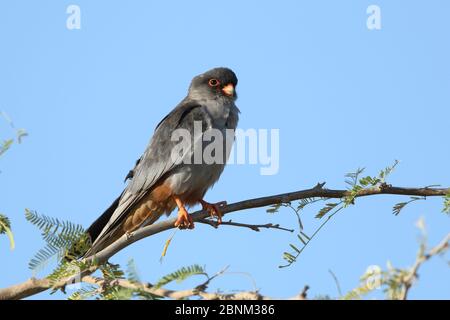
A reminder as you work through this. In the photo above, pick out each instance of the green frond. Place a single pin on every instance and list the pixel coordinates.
(85, 293)
(51, 226)
(369, 181)
(20, 134)
(63, 239)
(132, 272)
(446, 208)
(5, 145)
(400, 206)
(5, 228)
(67, 269)
(117, 293)
(328, 207)
(304, 202)
(5, 224)
(274, 208)
(112, 272)
(387, 171)
(353, 177)
(43, 257)
(181, 275)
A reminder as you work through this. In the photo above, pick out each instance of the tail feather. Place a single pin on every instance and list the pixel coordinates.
(98, 225)
(74, 252)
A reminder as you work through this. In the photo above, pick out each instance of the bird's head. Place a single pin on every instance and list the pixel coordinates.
(217, 83)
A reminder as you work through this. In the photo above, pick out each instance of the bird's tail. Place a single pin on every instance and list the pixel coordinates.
(92, 232)
(97, 226)
(144, 213)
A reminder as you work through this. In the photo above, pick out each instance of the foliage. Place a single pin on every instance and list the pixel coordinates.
(399, 206)
(110, 287)
(66, 270)
(5, 145)
(63, 239)
(181, 275)
(356, 185)
(5, 228)
(395, 282)
(446, 208)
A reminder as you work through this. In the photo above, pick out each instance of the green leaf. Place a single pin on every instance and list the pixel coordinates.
(274, 208)
(5, 145)
(289, 257)
(5, 228)
(301, 239)
(181, 275)
(387, 171)
(304, 202)
(305, 235)
(295, 248)
(328, 207)
(353, 181)
(369, 181)
(63, 239)
(20, 134)
(132, 273)
(88, 292)
(446, 208)
(399, 206)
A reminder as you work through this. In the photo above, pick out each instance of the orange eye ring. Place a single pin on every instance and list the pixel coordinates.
(213, 82)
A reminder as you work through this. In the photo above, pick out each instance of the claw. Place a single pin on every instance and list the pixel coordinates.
(214, 209)
(184, 220)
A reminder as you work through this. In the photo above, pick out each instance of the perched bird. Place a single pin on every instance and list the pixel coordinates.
(163, 180)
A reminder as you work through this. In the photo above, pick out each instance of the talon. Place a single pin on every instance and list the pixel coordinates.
(184, 220)
(214, 209)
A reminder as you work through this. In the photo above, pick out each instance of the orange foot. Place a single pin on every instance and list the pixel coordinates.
(213, 209)
(184, 220)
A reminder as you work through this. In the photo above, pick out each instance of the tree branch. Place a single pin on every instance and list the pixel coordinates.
(34, 286)
(316, 192)
(254, 227)
(412, 275)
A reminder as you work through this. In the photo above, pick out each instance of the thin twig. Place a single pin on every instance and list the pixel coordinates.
(254, 227)
(336, 281)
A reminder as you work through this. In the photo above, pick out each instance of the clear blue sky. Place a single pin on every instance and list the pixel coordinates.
(342, 96)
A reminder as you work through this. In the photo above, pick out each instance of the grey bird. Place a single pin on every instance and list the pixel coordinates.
(163, 179)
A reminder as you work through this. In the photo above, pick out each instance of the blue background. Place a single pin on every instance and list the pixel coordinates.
(342, 96)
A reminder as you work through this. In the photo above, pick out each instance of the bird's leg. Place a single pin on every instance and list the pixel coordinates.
(213, 209)
(184, 220)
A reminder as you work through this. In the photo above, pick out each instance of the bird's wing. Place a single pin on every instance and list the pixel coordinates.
(156, 162)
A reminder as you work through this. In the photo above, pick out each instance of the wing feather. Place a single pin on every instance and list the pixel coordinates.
(155, 163)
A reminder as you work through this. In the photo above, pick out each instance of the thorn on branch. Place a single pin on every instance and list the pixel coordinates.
(319, 186)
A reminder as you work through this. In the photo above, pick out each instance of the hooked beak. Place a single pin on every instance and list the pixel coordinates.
(228, 90)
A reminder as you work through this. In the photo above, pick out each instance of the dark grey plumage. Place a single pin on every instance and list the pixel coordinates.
(206, 103)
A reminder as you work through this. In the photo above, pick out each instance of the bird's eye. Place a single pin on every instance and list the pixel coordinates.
(213, 82)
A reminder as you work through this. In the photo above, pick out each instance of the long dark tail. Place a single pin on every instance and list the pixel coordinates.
(93, 231)
(98, 225)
